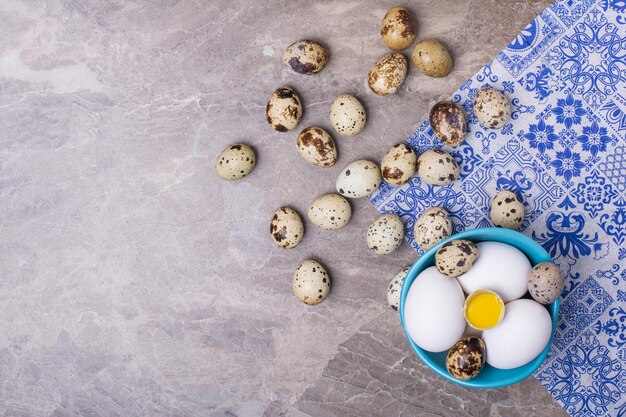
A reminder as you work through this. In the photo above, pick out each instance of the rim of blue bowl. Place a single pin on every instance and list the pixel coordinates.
(534, 252)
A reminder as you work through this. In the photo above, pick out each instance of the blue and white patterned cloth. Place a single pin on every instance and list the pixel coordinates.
(564, 151)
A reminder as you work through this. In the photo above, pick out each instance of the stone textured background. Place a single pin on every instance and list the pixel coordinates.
(133, 282)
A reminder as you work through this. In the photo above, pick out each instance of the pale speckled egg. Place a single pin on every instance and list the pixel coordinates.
(492, 108)
(330, 212)
(286, 228)
(395, 288)
(305, 57)
(347, 115)
(311, 283)
(466, 358)
(545, 282)
(399, 164)
(436, 167)
(387, 74)
(235, 162)
(447, 121)
(385, 234)
(432, 58)
(507, 210)
(316, 146)
(359, 179)
(398, 29)
(431, 227)
(284, 109)
(456, 257)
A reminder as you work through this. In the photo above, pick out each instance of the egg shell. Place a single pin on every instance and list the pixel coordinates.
(431, 227)
(398, 29)
(235, 162)
(545, 282)
(359, 179)
(432, 58)
(316, 146)
(347, 115)
(284, 109)
(311, 283)
(399, 164)
(456, 257)
(330, 212)
(436, 167)
(492, 108)
(500, 268)
(286, 228)
(433, 311)
(521, 336)
(507, 210)
(447, 121)
(305, 57)
(395, 288)
(385, 234)
(466, 358)
(387, 74)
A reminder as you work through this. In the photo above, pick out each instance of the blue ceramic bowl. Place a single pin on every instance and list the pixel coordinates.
(490, 377)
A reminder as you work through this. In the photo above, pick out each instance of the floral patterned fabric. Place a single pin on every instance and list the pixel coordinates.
(564, 153)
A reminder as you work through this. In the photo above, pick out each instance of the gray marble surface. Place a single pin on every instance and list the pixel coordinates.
(134, 282)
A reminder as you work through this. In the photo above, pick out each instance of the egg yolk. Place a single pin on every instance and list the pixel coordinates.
(484, 310)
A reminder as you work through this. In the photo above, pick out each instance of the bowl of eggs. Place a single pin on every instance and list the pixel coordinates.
(480, 308)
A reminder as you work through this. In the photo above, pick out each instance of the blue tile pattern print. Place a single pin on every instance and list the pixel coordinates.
(564, 154)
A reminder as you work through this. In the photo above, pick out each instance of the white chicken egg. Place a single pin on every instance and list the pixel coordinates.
(433, 311)
(500, 268)
(520, 337)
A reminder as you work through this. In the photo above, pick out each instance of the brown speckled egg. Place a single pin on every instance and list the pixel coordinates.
(286, 228)
(398, 29)
(437, 167)
(284, 109)
(387, 74)
(311, 283)
(399, 164)
(347, 115)
(491, 108)
(305, 57)
(507, 210)
(545, 282)
(431, 58)
(235, 162)
(466, 358)
(395, 287)
(385, 234)
(316, 146)
(447, 121)
(456, 257)
(431, 227)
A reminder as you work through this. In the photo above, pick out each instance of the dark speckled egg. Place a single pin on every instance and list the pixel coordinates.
(448, 122)
(466, 358)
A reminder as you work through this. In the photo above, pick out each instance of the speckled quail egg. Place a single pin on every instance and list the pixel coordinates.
(399, 164)
(286, 228)
(359, 179)
(330, 212)
(398, 29)
(305, 57)
(466, 358)
(456, 257)
(431, 58)
(235, 162)
(316, 146)
(387, 74)
(492, 108)
(395, 287)
(385, 234)
(431, 227)
(284, 109)
(447, 121)
(311, 283)
(436, 167)
(507, 210)
(545, 282)
(347, 115)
